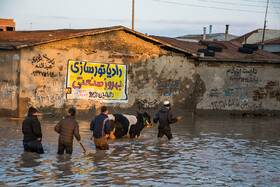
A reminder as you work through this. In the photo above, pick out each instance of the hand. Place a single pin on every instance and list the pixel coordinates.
(106, 136)
(180, 117)
(80, 141)
(39, 139)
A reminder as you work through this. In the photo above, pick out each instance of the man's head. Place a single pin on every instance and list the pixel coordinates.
(104, 110)
(71, 112)
(32, 111)
(166, 104)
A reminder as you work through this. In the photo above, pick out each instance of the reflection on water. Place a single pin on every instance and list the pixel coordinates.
(208, 151)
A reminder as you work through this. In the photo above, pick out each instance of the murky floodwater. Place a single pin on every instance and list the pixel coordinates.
(209, 151)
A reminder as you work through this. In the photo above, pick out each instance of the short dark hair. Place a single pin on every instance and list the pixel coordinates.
(103, 109)
(32, 111)
(72, 111)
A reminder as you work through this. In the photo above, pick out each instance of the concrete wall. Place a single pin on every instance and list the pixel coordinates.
(240, 87)
(9, 81)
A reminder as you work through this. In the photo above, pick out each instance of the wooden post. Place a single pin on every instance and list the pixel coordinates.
(264, 24)
(132, 14)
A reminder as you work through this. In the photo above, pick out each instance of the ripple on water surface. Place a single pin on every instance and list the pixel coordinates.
(206, 152)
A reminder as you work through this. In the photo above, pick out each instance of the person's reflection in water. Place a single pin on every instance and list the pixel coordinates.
(29, 159)
(64, 165)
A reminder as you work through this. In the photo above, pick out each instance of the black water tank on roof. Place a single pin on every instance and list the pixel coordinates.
(245, 50)
(206, 52)
(254, 47)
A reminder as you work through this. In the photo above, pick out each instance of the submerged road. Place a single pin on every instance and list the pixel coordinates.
(207, 151)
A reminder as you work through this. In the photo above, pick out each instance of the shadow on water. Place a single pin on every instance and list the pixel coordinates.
(206, 151)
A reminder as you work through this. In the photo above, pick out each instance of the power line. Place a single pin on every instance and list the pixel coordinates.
(237, 4)
(275, 9)
(256, 1)
(201, 6)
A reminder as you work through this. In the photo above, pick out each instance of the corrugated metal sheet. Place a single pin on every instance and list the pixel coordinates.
(20, 39)
(229, 53)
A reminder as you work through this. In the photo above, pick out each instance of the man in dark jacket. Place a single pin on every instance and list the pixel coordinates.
(101, 128)
(67, 128)
(31, 129)
(165, 118)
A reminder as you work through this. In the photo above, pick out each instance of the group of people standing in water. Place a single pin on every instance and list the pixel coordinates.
(68, 128)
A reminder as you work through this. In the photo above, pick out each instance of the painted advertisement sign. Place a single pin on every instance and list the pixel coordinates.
(96, 81)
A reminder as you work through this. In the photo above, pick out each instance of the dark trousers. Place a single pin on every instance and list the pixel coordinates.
(101, 143)
(67, 147)
(33, 146)
(162, 132)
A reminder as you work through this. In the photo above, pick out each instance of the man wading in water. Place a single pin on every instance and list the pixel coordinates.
(165, 118)
(67, 127)
(101, 128)
(31, 129)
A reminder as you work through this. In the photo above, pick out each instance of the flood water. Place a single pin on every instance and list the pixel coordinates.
(209, 151)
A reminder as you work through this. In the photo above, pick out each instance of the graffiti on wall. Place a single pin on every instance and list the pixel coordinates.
(235, 104)
(145, 104)
(43, 97)
(243, 75)
(43, 65)
(238, 96)
(168, 87)
(96, 81)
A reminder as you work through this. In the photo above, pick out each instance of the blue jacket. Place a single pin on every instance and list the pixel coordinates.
(100, 126)
(165, 118)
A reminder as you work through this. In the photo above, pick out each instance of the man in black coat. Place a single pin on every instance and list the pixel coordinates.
(165, 118)
(31, 129)
(67, 128)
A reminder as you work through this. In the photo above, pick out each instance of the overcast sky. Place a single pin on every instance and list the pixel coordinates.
(154, 17)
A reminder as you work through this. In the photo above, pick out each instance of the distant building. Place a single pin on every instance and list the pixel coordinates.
(7, 25)
(256, 36)
(209, 37)
(271, 39)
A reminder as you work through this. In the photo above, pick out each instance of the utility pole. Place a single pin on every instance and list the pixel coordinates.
(132, 14)
(264, 24)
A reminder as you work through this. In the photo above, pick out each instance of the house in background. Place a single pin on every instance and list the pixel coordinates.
(272, 45)
(256, 36)
(208, 37)
(212, 37)
(7, 24)
(271, 39)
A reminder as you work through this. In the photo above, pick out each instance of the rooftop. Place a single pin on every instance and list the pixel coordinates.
(20, 39)
(229, 52)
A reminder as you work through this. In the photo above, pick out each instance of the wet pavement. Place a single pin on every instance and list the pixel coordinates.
(209, 151)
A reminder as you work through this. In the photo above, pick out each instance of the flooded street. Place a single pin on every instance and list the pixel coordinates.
(207, 151)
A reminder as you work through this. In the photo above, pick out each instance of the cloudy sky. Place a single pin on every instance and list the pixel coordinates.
(154, 17)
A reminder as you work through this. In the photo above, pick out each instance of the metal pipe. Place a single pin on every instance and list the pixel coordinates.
(226, 32)
(204, 33)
